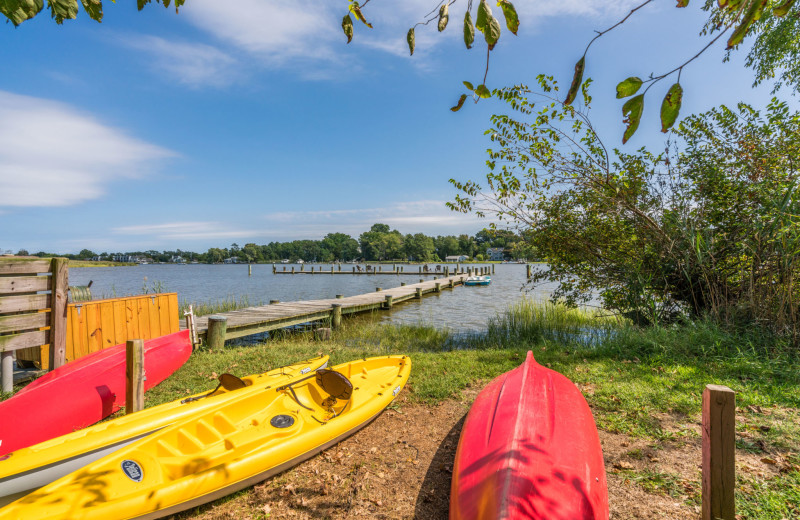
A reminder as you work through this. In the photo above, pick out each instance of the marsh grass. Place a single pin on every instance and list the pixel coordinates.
(231, 303)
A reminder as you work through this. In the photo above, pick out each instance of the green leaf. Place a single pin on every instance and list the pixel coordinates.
(460, 103)
(512, 20)
(632, 114)
(682, 3)
(444, 16)
(483, 92)
(94, 8)
(20, 10)
(484, 15)
(753, 13)
(62, 10)
(469, 31)
(577, 79)
(347, 27)
(492, 33)
(671, 106)
(783, 9)
(469, 86)
(411, 40)
(628, 87)
(356, 10)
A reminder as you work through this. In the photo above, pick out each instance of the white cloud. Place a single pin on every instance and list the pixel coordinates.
(185, 231)
(429, 217)
(54, 155)
(275, 31)
(193, 64)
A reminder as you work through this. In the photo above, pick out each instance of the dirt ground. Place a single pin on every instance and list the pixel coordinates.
(399, 467)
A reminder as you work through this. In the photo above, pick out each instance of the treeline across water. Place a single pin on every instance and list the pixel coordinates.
(380, 243)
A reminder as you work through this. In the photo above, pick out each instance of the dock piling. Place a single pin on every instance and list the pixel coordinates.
(134, 375)
(388, 303)
(336, 315)
(217, 327)
(419, 293)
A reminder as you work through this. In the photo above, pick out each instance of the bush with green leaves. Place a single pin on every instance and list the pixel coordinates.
(708, 228)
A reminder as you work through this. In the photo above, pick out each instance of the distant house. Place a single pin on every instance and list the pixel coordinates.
(495, 254)
(456, 258)
(231, 260)
(177, 260)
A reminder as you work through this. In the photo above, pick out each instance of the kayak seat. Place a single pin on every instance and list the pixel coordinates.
(335, 383)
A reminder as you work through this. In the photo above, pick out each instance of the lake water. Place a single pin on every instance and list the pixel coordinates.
(465, 309)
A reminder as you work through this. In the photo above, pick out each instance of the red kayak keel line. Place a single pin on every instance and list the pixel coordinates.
(83, 392)
(529, 449)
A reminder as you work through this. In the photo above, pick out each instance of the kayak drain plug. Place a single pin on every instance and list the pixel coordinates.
(282, 421)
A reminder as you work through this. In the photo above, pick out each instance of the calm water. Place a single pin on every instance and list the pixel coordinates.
(465, 309)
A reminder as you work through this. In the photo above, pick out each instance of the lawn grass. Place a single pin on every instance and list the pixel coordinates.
(644, 384)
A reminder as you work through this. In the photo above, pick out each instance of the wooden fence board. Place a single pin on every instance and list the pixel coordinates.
(24, 284)
(24, 265)
(19, 322)
(143, 315)
(31, 302)
(23, 340)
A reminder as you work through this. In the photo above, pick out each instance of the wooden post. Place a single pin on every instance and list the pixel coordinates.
(354, 269)
(419, 293)
(134, 375)
(492, 268)
(451, 283)
(529, 270)
(719, 452)
(7, 370)
(438, 287)
(402, 284)
(275, 269)
(292, 269)
(312, 269)
(249, 270)
(272, 302)
(336, 315)
(378, 289)
(340, 268)
(388, 303)
(284, 268)
(421, 280)
(420, 269)
(217, 327)
(59, 267)
(339, 296)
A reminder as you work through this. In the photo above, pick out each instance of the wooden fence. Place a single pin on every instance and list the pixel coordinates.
(98, 324)
(33, 305)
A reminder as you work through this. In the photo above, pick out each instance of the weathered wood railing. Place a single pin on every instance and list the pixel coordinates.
(33, 305)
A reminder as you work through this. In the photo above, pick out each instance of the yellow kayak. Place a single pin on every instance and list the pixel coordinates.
(222, 449)
(27, 469)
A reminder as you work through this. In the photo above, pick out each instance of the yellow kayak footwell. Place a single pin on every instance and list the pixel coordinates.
(224, 449)
(30, 468)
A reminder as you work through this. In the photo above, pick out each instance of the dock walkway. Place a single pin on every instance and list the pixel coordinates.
(254, 320)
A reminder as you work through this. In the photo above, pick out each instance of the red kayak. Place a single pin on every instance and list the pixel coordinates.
(83, 392)
(529, 449)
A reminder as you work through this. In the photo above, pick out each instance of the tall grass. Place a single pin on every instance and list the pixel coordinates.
(231, 303)
(530, 321)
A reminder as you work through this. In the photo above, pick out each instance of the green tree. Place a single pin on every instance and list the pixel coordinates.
(710, 230)
(86, 254)
(419, 247)
(341, 246)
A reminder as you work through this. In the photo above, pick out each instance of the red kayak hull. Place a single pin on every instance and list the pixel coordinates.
(529, 449)
(83, 392)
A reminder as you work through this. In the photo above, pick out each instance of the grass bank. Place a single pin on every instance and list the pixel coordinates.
(644, 387)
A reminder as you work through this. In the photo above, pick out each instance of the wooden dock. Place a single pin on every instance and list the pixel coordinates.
(446, 271)
(254, 320)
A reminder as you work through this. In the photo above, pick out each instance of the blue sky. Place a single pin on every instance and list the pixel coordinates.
(252, 121)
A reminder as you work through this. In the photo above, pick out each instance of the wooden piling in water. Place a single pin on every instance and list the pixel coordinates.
(273, 302)
(419, 293)
(438, 288)
(134, 375)
(339, 296)
(388, 303)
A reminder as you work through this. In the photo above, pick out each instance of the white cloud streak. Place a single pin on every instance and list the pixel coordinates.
(192, 64)
(54, 155)
(191, 230)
